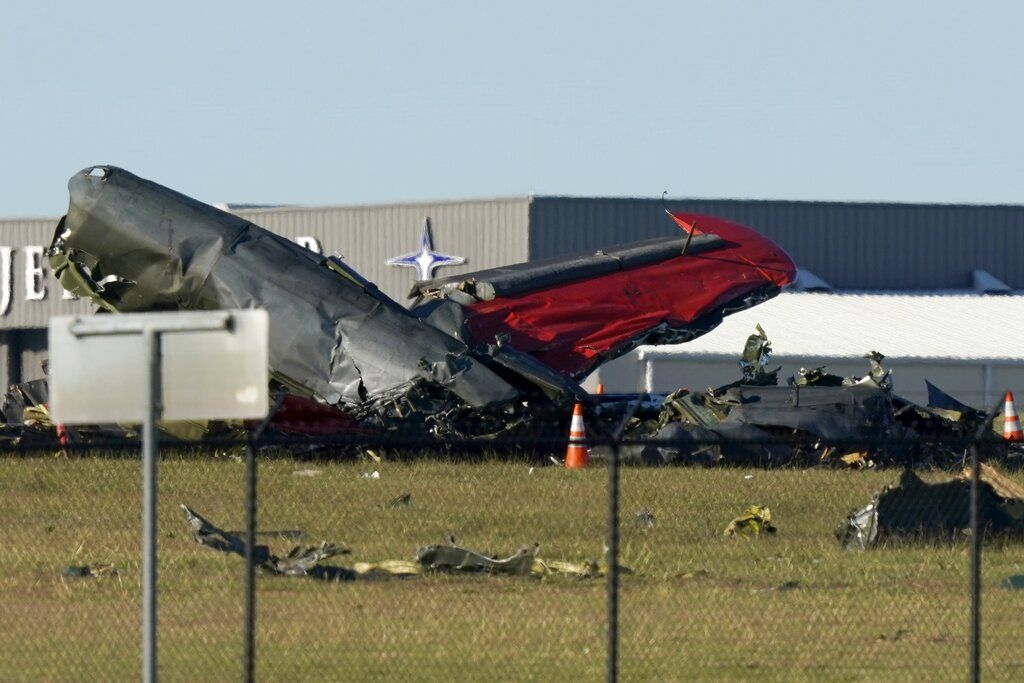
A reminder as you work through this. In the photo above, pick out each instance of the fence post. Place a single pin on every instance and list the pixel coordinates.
(250, 565)
(150, 435)
(976, 530)
(613, 564)
(977, 526)
(252, 443)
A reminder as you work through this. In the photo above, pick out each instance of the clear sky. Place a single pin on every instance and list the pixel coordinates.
(365, 102)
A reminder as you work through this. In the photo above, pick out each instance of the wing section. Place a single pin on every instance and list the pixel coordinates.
(573, 313)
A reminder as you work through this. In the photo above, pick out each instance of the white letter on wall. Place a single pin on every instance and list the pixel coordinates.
(6, 258)
(35, 287)
(311, 243)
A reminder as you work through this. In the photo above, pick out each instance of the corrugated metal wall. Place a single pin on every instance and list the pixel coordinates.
(32, 347)
(24, 238)
(852, 246)
(487, 233)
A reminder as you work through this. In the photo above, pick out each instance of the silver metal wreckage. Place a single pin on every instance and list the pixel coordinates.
(474, 356)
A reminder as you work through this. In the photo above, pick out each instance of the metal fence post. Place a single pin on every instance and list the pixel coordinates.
(250, 564)
(613, 564)
(252, 443)
(151, 339)
(977, 527)
(976, 530)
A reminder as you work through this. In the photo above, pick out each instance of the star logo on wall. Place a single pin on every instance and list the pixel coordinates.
(426, 260)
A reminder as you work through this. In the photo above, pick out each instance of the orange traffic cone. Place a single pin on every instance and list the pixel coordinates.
(576, 455)
(1011, 423)
(62, 437)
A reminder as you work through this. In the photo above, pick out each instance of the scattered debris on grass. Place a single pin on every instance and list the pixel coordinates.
(452, 558)
(915, 509)
(756, 520)
(644, 519)
(897, 635)
(402, 501)
(1014, 582)
(299, 562)
(307, 473)
(90, 570)
(448, 558)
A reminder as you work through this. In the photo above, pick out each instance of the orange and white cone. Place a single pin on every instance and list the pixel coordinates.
(62, 437)
(577, 455)
(1011, 423)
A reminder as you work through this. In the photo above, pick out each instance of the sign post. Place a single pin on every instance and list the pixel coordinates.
(144, 367)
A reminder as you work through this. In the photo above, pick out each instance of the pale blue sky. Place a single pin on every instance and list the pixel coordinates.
(325, 103)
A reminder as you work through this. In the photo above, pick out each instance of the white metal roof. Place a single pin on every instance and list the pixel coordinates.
(899, 325)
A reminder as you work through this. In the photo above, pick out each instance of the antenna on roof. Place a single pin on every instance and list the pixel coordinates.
(689, 228)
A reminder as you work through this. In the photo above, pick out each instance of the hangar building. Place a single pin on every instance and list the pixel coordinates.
(916, 249)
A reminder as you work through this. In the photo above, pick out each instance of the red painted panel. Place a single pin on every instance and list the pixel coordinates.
(574, 327)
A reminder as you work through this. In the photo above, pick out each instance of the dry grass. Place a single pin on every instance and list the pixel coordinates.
(700, 606)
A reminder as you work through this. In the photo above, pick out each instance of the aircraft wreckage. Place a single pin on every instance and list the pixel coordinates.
(485, 355)
(474, 356)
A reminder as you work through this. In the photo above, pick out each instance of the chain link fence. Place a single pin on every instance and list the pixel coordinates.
(725, 572)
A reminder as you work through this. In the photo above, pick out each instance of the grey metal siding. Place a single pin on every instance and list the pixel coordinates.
(21, 313)
(851, 245)
(33, 351)
(487, 233)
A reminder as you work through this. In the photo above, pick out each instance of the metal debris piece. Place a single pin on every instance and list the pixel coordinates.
(782, 587)
(583, 570)
(298, 562)
(856, 459)
(913, 509)
(644, 519)
(754, 361)
(387, 568)
(131, 245)
(452, 558)
(752, 422)
(1014, 582)
(402, 501)
(879, 376)
(90, 570)
(860, 529)
(301, 561)
(756, 520)
(307, 473)
(897, 635)
(437, 558)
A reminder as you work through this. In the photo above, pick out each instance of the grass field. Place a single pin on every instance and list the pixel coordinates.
(698, 607)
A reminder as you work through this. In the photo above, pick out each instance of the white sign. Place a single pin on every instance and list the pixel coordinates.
(98, 366)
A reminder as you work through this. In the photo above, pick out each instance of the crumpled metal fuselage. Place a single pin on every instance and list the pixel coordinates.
(134, 245)
(493, 344)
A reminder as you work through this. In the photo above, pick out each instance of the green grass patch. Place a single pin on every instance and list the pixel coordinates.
(698, 606)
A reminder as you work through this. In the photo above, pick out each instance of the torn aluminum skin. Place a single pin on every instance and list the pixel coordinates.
(133, 245)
